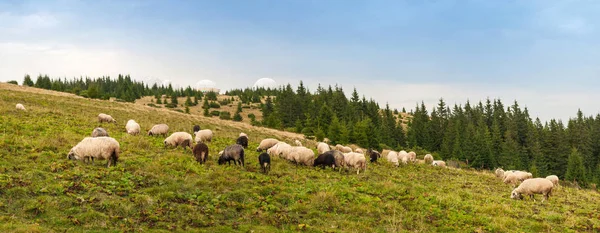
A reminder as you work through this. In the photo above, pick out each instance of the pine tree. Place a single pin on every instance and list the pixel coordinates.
(188, 101)
(237, 116)
(27, 81)
(187, 109)
(174, 99)
(206, 107)
(158, 101)
(334, 132)
(576, 169)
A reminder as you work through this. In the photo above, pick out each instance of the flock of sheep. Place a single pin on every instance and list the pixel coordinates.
(102, 147)
(529, 185)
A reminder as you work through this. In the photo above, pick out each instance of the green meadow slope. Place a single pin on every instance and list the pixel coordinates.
(158, 189)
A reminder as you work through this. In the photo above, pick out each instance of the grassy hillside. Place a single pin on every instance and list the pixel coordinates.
(153, 188)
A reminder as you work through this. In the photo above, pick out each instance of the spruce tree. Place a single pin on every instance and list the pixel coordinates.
(206, 107)
(576, 169)
(188, 101)
(27, 81)
(237, 116)
(334, 132)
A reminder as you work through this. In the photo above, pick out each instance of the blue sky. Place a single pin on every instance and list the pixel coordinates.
(545, 54)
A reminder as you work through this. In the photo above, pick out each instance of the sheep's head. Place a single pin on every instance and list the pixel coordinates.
(221, 160)
(516, 195)
(258, 149)
(150, 133)
(165, 143)
(71, 155)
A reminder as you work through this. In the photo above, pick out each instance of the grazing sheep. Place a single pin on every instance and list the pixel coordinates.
(20, 107)
(531, 187)
(403, 156)
(106, 118)
(326, 140)
(302, 155)
(160, 129)
(346, 149)
(392, 157)
(280, 149)
(338, 147)
(204, 135)
(428, 159)
(297, 142)
(96, 148)
(554, 179)
(99, 132)
(132, 127)
(510, 178)
(438, 163)
(266, 144)
(385, 152)
(196, 128)
(373, 154)
(322, 147)
(339, 159)
(200, 152)
(499, 172)
(325, 160)
(183, 139)
(244, 135)
(359, 150)
(521, 175)
(265, 162)
(233, 153)
(420, 161)
(506, 173)
(242, 141)
(412, 156)
(356, 160)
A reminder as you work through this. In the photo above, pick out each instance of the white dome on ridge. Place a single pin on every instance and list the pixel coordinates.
(207, 85)
(265, 83)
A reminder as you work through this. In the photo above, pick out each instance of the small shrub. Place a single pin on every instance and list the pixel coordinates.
(225, 115)
(13, 82)
(171, 105)
(214, 105)
(215, 113)
(153, 105)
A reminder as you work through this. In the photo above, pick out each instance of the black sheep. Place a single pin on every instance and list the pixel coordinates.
(242, 141)
(325, 160)
(200, 152)
(234, 152)
(373, 154)
(265, 162)
(196, 128)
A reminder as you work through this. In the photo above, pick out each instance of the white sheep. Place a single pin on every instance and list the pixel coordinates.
(297, 142)
(96, 148)
(428, 158)
(266, 144)
(132, 127)
(160, 129)
(302, 155)
(499, 172)
(392, 157)
(322, 147)
(533, 186)
(176, 139)
(403, 156)
(554, 179)
(359, 150)
(356, 160)
(20, 107)
(105, 118)
(438, 163)
(346, 149)
(204, 136)
(521, 175)
(510, 178)
(99, 132)
(338, 147)
(412, 156)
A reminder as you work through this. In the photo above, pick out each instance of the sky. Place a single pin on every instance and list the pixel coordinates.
(545, 54)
